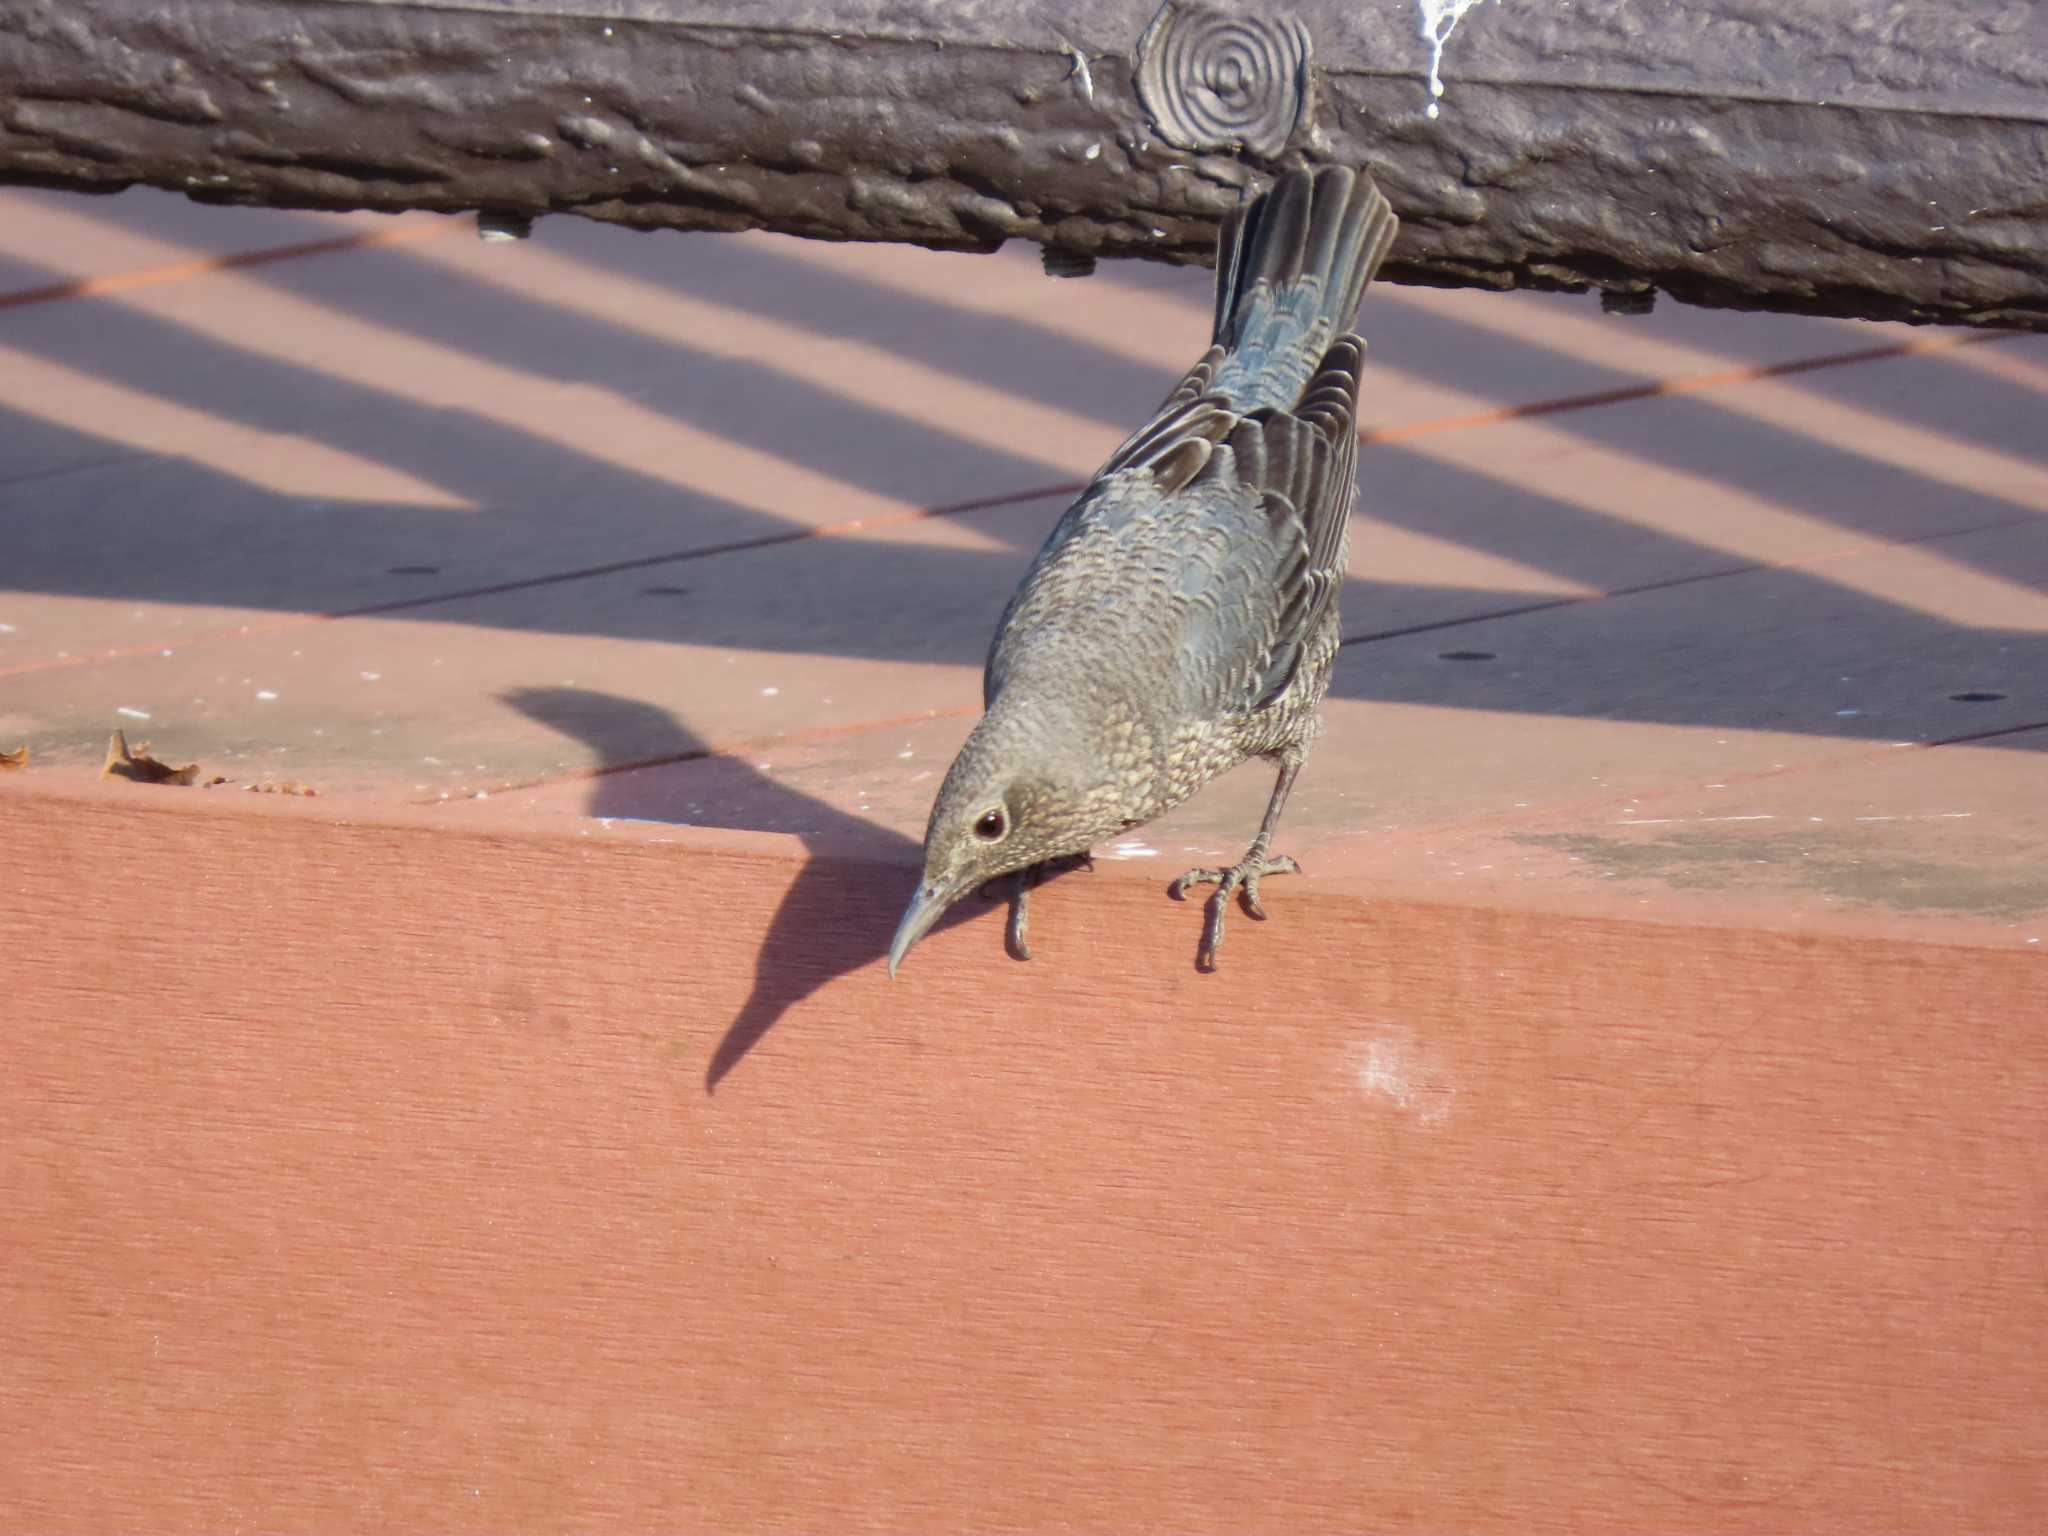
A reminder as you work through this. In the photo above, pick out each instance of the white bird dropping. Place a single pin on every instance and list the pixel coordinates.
(1440, 19)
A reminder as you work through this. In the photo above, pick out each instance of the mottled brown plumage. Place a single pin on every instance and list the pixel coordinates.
(1182, 617)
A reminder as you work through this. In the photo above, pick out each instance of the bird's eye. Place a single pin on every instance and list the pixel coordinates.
(991, 825)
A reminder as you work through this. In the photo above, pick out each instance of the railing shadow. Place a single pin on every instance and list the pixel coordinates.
(548, 513)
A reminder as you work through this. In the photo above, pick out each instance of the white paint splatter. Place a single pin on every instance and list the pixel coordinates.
(769, 693)
(265, 694)
(1390, 1066)
(369, 677)
(1440, 19)
(132, 713)
(1131, 848)
(6, 629)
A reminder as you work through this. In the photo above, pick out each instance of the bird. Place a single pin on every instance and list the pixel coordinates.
(1181, 617)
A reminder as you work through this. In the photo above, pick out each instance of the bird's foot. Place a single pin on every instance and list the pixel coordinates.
(1241, 880)
(1018, 887)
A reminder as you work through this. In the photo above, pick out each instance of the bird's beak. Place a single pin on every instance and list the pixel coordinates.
(926, 907)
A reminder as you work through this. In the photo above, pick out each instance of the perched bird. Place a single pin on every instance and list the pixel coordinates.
(1182, 617)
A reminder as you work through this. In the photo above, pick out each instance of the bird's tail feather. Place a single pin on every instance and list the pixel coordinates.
(1291, 266)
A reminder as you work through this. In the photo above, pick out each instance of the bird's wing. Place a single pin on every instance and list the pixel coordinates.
(1309, 479)
(1177, 443)
(1248, 507)
(1281, 484)
(1192, 386)
(1129, 500)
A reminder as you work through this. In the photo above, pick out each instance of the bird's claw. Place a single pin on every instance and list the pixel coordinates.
(1016, 934)
(1017, 888)
(1241, 880)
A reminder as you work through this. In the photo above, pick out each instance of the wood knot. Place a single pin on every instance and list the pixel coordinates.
(1214, 78)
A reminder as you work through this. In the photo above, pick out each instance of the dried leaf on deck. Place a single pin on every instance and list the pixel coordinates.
(18, 758)
(140, 767)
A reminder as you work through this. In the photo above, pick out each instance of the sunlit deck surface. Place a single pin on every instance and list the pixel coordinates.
(1696, 615)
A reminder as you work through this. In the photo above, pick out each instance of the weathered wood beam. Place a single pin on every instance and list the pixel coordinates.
(1848, 157)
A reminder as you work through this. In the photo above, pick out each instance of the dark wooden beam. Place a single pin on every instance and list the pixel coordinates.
(1848, 157)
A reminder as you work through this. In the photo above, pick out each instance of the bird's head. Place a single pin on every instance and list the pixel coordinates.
(1019, 793)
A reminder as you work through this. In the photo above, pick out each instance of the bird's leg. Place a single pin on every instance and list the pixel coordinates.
(1020, 886)
(1244, 877)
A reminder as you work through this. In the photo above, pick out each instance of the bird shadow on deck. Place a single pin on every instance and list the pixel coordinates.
(841, 911)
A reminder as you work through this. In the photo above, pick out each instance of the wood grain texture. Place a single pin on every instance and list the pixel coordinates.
(364, 1176)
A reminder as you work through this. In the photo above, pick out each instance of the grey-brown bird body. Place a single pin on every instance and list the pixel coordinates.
(1182, 616)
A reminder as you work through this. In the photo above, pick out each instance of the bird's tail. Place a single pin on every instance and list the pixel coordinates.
(1291, 266)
